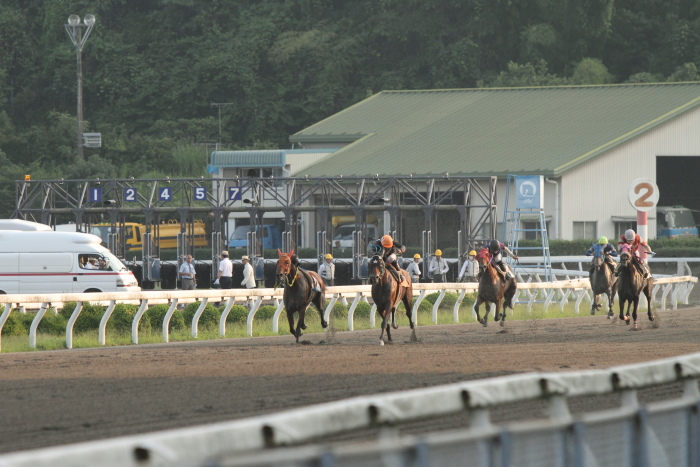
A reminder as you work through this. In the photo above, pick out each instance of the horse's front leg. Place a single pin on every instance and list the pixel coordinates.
(650, 302)
(381, 335)
(501, 315)
(393, 319)
(290, 319)
(634, 312)
(610, 304)
(594, 304)
(477, 304)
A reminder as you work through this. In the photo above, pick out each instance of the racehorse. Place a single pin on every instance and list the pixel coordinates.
(299, 291)
(603, 281)
(492, 289)
(629, 285)
(387, 293)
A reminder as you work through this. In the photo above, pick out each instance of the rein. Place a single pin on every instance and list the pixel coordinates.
(285, 277)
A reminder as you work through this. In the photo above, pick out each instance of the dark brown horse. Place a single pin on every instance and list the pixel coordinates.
(387, 293)
(602, 282)
(298, 291)
(492, 289)
(630, 284)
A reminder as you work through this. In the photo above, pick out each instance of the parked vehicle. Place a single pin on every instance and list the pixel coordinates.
(269, 234)
(675, 222)
(44, 261)
(345, 226)
(166, 234)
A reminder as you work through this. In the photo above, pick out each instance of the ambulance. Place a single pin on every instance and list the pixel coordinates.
(35, 259)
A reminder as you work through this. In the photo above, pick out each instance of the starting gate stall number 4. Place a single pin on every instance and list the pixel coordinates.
(165, 193)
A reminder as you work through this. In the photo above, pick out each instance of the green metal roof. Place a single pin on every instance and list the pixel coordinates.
(478, 132)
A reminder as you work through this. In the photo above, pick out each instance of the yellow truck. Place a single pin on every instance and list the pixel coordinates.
(164, 234)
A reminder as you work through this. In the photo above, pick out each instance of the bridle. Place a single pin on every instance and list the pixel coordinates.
(284, 273)
(376, 263)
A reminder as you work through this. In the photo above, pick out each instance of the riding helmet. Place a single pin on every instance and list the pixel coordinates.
(629, 235)
(387, 241)
(603, 240)
(494, 245)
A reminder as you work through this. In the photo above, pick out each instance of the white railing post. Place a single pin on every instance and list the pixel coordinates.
(197, 315)
(102, 339)
(276, 317)
(166, 320)
(436, 305)
(329, 308)
(3, 319)
(137, 319)
(224, 315)
(71, 323)
(251, 315)
(351, 311)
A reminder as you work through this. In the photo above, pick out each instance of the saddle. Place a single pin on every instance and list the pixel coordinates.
(399, 278)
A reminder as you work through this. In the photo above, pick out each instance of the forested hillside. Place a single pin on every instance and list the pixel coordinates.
(153, 68)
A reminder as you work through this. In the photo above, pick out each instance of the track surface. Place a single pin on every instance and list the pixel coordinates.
(58, 397)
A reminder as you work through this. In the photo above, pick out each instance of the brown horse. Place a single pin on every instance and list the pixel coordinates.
(298, 291)
(602, 282)
(629, 285)
(492, 289)
(387, 293)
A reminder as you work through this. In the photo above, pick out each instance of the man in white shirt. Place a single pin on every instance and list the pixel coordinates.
(225, 278)
(413, 269)
(438, 267)
(248, 273)
(187, 274)
(470, 268)
(327, 270)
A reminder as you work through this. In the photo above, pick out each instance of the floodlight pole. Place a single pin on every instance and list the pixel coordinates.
(74, 30)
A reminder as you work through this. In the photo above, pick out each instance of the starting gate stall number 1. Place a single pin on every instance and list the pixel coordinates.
(95, 195)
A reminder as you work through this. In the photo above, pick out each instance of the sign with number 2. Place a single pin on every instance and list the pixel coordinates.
(643, 194)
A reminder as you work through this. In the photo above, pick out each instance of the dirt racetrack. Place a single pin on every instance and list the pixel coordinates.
(58, 397)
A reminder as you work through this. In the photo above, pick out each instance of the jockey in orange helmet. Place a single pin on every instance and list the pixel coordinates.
(389, 249)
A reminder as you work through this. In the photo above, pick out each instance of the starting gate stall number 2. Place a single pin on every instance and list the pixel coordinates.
(130, 194)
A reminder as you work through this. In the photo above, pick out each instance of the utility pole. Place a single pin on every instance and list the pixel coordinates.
(220, 105)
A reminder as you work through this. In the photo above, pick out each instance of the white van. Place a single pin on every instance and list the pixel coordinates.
(42, 261)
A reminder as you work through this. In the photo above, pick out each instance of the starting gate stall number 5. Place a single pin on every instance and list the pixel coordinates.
(200, 193)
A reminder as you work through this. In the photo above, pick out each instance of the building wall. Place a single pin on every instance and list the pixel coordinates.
(598, 189)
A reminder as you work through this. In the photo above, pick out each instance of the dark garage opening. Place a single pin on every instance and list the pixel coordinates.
(677, 179)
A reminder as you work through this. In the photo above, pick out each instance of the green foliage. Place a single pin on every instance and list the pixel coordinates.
(340, 311)
(17, 324)
(156, 314)
(210, 316)
(265, 312)
(89, 318)
(238, 314)
(362, 310)
(591, 71)
(53, 324)
(122, 318)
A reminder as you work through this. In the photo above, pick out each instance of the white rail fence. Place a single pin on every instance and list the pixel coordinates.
(663, 433)
(674, 290)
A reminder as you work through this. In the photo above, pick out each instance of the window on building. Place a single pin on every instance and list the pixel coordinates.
(620, 227)
(585, 230)
(532, 230)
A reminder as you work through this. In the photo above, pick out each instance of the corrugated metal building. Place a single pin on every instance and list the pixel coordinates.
(590, 142)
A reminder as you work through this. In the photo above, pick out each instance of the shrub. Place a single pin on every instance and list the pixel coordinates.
(53, 324)
(265, 312)
(340, 311)
(238, 314)
(210, 316)
(89, 318)
(17, 324)
(156, 314)
(362, 310)
(123, 316)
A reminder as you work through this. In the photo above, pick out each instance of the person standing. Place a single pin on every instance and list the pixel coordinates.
(413, 269)
(470, 268)
(248, 273)
(225, 278)
(187, 274)
(327, 270)
(438, 267)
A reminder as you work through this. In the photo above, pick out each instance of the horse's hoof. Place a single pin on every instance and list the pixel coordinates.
(651, 317)
(381, 343)
(395, 326)
(502, 323)
(303, 326)
(324, 324)
(592, 311)
(484, 323)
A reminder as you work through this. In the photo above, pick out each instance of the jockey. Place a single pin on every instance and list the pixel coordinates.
(634, 241)
(606, 250)
(495, 248)
(389, 249)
